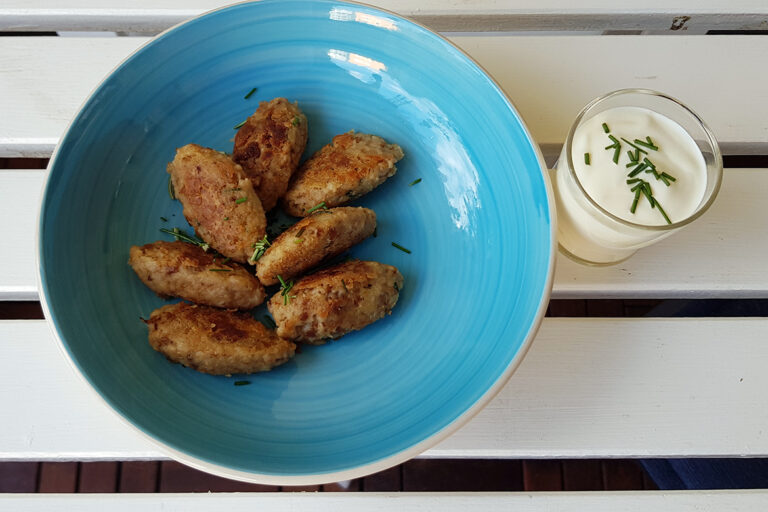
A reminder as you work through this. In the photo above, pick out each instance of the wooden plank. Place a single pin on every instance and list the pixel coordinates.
(638, 501)
(387, 480)
(176, 477)
(718, 256)
(590, 388)
(623, 475)
(44, 80)
(57, 477)
(98, 476)
(22, 476)
(139, 476)
(461, 15)
(542, 475)
(464, 475)
(582, 475)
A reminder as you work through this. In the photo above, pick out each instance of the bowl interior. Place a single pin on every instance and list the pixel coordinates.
(478, 226)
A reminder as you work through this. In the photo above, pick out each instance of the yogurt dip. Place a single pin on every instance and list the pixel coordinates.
(637, 165)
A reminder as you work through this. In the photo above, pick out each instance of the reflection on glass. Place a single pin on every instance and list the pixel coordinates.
(356, 60)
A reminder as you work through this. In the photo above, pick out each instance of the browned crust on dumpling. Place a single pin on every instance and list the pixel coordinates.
(352, 165)
(216, 341)
(180, 269)
(322, 235)
(268, 147)
(219, 200)
(335, 301)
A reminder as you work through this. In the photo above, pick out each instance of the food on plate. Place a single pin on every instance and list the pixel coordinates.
(219, 200)
(180, 269)
(216, 341)
(335, 301)
(268, 147)
(351, 166)
(322, 235)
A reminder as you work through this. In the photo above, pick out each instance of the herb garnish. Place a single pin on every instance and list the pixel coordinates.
(171, 191)
(220, 269)
(320, 206)
(606, 129)
(181, 235)
(260, 248)
(296, 121)
(239, 125)
(414, 182)
(586, 158)
(241, 200)
(163, 219)
(398, 246)
(285, 289)
(242, 382)
(250, 93)
(344, 285)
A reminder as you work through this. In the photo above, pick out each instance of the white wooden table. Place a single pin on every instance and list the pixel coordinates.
(590, 387)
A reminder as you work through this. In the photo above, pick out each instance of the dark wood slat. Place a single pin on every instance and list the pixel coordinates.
(345, 486)
(605, 308)
(462, 475)
(23, 163)
(542, 475)
(58, 477)
(622, 475)
(176, 477)
(98, 477)
(20, 310)
(582, 475)
(648, 483)
(18, 476)
(567, 307)
(639, 307)
(387, 480)
(139, 476)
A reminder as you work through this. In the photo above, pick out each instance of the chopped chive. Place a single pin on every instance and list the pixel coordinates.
(647, 193)
(344, 285)
(614, 139)
(226, 218)
(163, 219)
(398, 246)
(637, 148)
(586, 158)
(375, 231)
(670, 178)
(181, 235)
(298, 240)
(397, 288)
(650, 164)
(649, 144)
(242, 382)
(260, 248)
(239, 125)
(285, 289)
(301, 232)
(241, 200)
(665, 180)
(414, 182)
(663, 213)
(633, 180)
(634, 202)
(268, 322)
(616, 153)
(636, 186)
(250, 93)
(225, 260)
(171, 191)
(317, 207)
(637, 170)
(605, 128)
(220, 269)
(296, 121)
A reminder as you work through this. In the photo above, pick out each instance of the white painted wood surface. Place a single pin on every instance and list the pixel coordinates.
(706, 501)
(587, 388)
(721, 255)
(44, 80)
(456, 15)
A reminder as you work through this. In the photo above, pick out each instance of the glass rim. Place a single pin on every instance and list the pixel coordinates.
(718, 160)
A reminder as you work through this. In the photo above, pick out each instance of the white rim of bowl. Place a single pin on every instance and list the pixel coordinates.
(357, 471)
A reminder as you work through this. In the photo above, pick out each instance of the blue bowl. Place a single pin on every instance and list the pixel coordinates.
(479, 225)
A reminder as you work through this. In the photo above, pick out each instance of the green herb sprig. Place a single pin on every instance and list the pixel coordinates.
(320, 206)
(260, 248)
(285, 290)
(181, 235)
